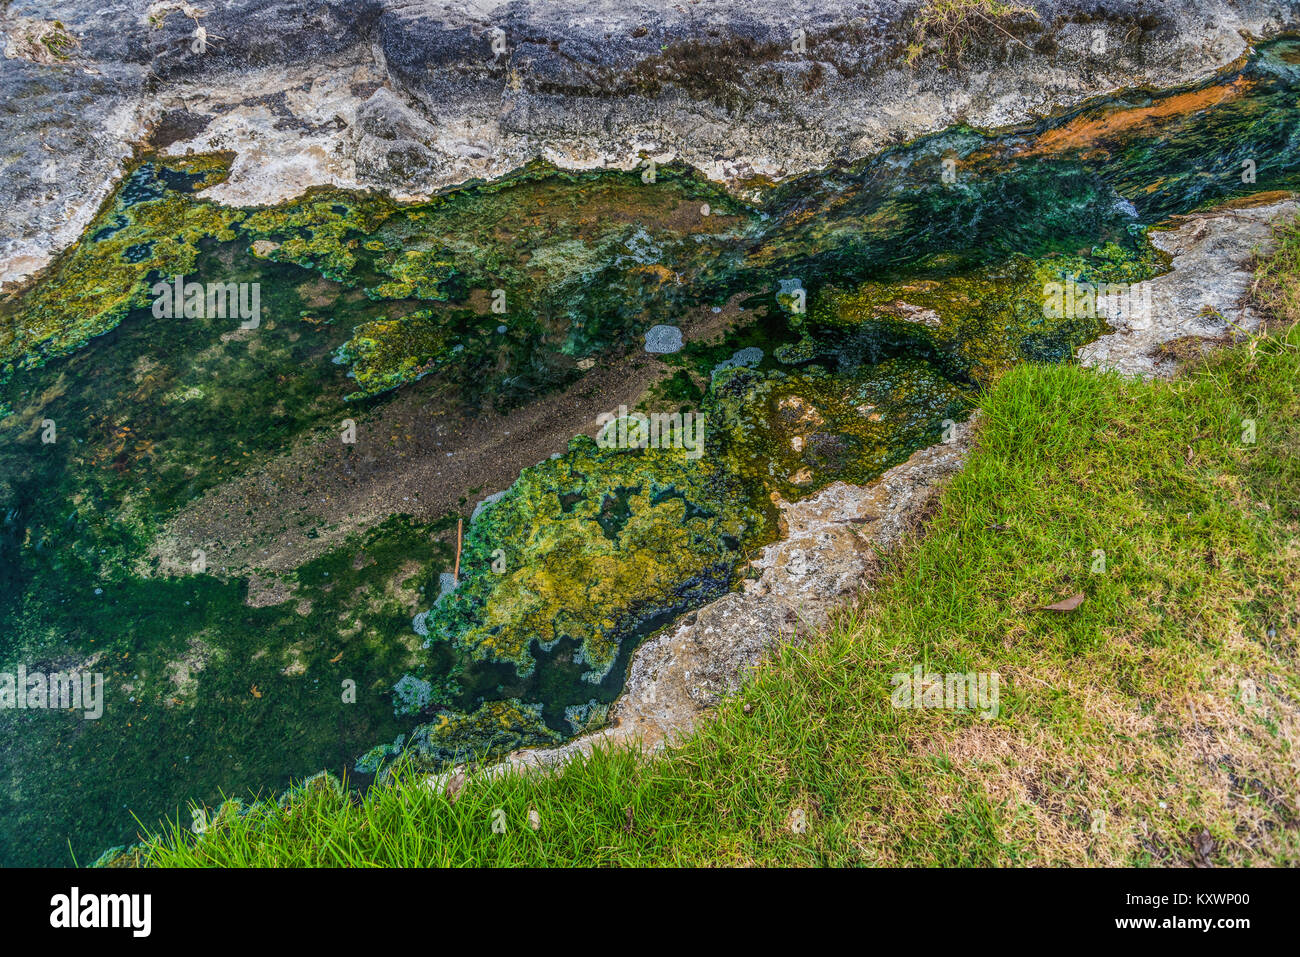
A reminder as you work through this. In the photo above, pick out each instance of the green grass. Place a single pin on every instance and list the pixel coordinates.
(1138, 704)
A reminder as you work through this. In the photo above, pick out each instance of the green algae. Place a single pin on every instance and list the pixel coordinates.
(199, 700)
(594, 544)
(799, 432)
(530, 274)
(386, 353)
(323, 231)
(976, 324)
(416, 274)
(161, 411)
(493, 728)
(93, 286)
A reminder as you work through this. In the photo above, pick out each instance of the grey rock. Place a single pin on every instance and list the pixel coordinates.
(747, 358)
(292, 87)
(1203, 298)
(489, 501)
(391, 140)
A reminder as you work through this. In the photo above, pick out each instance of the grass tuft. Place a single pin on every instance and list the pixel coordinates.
(952, 26)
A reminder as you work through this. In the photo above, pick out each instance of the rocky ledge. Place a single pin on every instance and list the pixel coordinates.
(411, 96)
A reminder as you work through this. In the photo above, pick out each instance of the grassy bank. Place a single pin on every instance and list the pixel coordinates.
(1155, 723)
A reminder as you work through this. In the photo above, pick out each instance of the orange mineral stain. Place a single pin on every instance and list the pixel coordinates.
(1088, 130)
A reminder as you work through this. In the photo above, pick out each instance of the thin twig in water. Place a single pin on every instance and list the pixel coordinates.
(455, 575)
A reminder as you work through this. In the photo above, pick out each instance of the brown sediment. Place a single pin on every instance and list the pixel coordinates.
(422, 454)
(317, 292)
(407, 459)
(596, 205)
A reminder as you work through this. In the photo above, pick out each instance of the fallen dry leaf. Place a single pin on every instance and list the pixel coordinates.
(454, 784)
(1202, 848)
(1065, 604)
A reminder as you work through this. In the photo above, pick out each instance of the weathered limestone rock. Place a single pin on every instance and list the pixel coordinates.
(1203, 297)
(478, 88)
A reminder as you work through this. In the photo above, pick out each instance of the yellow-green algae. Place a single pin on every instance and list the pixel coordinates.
(148, 227)
(978, 322)
(323, 231)
(577, 259)
(494, 728)
(594, 545)
(799, 431)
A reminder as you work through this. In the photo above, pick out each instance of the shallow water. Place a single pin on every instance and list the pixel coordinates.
(369, 304)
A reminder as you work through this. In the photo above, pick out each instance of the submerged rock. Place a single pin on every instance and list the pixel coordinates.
(663, 339)
(746, 358)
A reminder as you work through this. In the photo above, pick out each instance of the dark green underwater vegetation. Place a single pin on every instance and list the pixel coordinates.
(498, 294)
